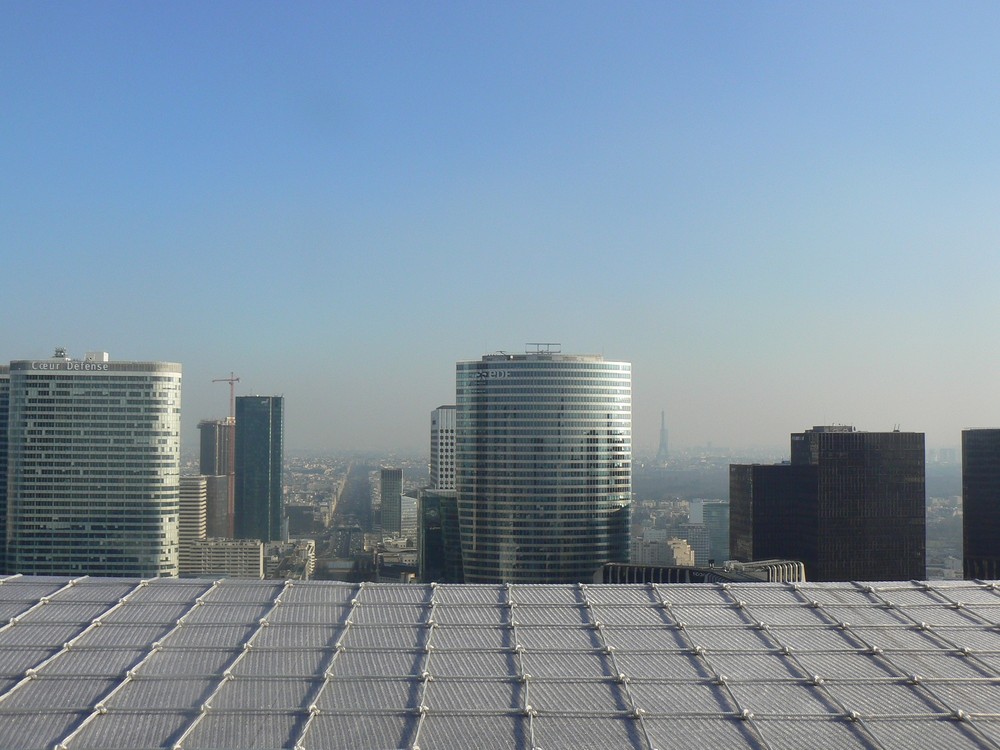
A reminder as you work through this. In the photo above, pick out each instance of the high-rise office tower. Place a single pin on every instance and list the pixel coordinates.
(443, 448)
(715, 516)
(391, 491)
(93, 469)
(4, 414)
(438, 543)
(219, 516)
(217, 437)
(259, 501)
(850, 505)
(218, 455)
(543, 466)
(981, 503)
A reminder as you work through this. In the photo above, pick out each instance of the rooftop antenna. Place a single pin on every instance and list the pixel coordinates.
(544, 347)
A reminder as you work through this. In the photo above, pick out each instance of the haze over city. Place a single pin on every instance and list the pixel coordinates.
(782, 214)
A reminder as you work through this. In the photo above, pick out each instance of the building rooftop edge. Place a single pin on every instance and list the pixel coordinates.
(539, 357)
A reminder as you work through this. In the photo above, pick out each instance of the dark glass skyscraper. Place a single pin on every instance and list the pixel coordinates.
(981, 503)
(216, 446)
(440, 549)
(4, 414)
(391, 492)
(850, 505)
(259, 503)
(543, 466)
(218, 454)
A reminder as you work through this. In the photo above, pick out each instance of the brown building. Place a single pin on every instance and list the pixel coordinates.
(850, 505)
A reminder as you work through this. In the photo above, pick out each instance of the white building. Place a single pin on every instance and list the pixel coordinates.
(193, 519)
(443, 448)
(94, 464)
(408, 517)
(543, 465)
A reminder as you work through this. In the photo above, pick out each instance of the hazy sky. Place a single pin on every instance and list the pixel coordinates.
(783, 214)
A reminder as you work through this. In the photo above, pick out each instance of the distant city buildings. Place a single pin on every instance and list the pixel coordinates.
(292, 560)
(259, 500)
(981, 503)
(850, 505)
(93, 467)
(654, 549)
(543, 465)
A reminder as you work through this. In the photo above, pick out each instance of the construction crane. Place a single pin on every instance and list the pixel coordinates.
(233, 379)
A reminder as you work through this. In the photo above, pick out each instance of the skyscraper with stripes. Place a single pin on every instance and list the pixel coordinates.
(93, 466)
(543, 465)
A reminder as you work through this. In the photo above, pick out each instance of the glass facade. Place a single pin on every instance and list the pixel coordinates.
(259, 502)
(94, 465)
(4, 414)
(216, 446)
(850, 505)
(543, 466)
(391, 492)
(981, 503)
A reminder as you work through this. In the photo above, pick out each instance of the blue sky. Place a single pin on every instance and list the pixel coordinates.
(783, 214)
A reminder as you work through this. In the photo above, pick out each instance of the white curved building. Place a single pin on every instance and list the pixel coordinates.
(543, 466)
(94, 467)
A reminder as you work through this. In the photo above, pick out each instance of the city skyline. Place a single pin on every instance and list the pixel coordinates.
(782, 215)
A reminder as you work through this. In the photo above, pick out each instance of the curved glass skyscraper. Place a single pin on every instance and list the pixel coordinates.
(94, 467)
(543, 466)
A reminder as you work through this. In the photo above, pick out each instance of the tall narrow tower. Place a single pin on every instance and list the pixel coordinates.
(218, 450)
(4, 414)
(391, 489)
(259, 503)
(662, 454)
(443, 448)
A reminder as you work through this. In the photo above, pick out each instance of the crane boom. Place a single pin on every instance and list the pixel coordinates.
(233, 379)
